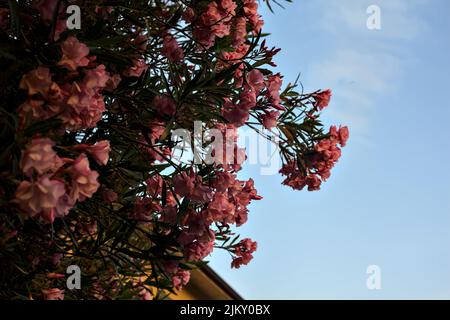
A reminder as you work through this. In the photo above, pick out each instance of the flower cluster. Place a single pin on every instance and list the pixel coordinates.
(243, 252)
(89, 174)
(237, 112)
(222, 18)
(78, 104)
(55, 184)
(318, 163)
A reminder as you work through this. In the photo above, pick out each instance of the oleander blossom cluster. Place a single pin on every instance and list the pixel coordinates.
(88, 171)
(54, 185)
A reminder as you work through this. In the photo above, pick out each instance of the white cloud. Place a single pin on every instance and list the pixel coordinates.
(362, 64)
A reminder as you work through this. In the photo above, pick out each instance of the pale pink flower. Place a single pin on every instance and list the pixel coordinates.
(220, 208)
(84, 180)
(269, 119)
(239, 31)
(74, 54)
(322, 99)
(85, 107)
(204, 36)
(198, 250)
(180, 279)
(100, 152)
(212, 14)
(343, 135)
(247, 98)
(256, 80)
(37, 81)
(243, 251)
(201, 193)
(313, 182)
(221, 30)
(40, 197)
(273, 86)
(40, 157)
(96, 78)
(235, 114)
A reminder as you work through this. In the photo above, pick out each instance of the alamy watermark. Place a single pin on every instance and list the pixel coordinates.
(373, 281)
(374, 20)
(216, 146)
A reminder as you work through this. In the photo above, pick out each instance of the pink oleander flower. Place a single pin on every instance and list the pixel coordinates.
(37, 81)
(251, 11)
(243, 252)
(269, 119)
(235, 114)
(41, 198)
(229, 6)
(223, 180)
(96, 78)
(172, 50)
(221, 209)
(212, 15)
(180, 279)
(201, 193)
(40, 157)
(144, 209)
(53, 294)
(204, 36)
(74, 54)
(247, 98)
(84, 180)
(221, 30)
(85, 107)
(322, 99)
(198, 250)
(184, 184)
(100, 152)
(164, 105)
(273, 87)
(343, 136)
(256, 80)
(239, 31)
(313, 182)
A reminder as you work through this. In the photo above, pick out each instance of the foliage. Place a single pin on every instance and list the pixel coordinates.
(87, 169)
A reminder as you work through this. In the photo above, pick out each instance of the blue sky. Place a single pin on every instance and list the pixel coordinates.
(388, 200)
